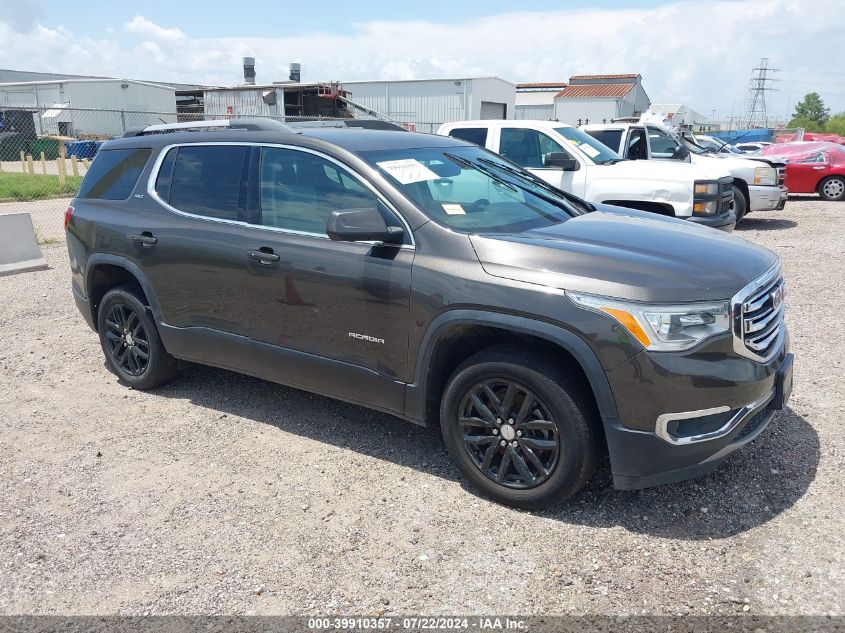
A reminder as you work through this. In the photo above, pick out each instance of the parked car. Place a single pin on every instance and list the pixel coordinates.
(756, 186)
(716, 145)
(427, 277)
(812, 167)
(573, 161)
(751, 148)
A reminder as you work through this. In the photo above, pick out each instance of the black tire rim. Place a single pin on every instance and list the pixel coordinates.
(509, 434)
(128, 343)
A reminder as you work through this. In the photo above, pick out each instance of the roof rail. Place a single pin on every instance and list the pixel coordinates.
(253, 125)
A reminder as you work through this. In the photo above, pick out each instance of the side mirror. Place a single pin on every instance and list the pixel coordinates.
(362, 225)
(681, 153)
(561, 160)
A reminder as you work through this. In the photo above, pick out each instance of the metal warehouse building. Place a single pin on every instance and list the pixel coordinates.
(90, 107)
(425, 104)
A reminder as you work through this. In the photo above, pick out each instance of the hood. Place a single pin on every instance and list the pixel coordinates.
(627, 254)
(664, 170)
(733, 163)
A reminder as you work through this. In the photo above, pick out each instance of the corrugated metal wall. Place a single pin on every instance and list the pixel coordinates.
(544, 112)
(245, 102)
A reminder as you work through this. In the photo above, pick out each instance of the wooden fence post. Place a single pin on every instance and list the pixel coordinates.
(30, 167)
(23, 162)
(60, 166)
(74, 168)
(43, 164)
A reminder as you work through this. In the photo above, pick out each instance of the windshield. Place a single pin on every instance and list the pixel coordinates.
(471, 189)
(596, 150)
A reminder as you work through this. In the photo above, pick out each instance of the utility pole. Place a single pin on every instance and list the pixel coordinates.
(761, 78)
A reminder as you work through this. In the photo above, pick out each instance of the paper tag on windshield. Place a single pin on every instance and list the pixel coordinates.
(408, 170)
(589, 150)
(453, 209)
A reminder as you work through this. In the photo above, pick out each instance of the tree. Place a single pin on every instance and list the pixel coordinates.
(808, 124)
(810, 108)
(836, 124)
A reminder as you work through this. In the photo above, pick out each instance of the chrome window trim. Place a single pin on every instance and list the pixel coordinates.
(151, 191)
(661, 429)
(737, 316)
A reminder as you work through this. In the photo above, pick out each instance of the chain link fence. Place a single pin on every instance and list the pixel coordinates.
(45, 152)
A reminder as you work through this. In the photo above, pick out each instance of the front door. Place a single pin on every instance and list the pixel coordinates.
(528, 147)
(804, 176)
(338, 311)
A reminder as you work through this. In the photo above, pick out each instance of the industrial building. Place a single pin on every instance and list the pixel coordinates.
(537, 100)
(682, 116)
(601, 98)
(425, 104)
(88, 107)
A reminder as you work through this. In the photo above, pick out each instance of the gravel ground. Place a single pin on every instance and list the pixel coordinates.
(223, 494)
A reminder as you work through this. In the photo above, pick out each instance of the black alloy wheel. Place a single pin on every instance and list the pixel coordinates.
(509, 433)
(128, 341)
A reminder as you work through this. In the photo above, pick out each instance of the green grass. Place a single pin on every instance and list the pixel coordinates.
(21, 187)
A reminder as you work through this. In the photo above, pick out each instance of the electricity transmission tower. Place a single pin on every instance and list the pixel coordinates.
(761, 78)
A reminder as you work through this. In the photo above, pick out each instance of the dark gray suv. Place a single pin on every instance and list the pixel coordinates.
(429, 278)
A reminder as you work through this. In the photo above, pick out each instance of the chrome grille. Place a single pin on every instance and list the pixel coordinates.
(758, 317)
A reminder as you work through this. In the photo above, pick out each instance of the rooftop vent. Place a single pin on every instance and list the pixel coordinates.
(249, 71)
(295, 72)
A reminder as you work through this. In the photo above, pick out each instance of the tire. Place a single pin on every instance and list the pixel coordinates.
(557, 430)
(832, 188)
(127, 334)
(740, 204)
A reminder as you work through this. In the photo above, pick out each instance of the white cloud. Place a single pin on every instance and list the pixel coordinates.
(139, 24)
(697, 52)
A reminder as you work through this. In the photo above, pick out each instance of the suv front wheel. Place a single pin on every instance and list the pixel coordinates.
(518, 429)
(130, 340)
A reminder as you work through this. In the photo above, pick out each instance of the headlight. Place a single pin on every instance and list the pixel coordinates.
(662, 328)
(765, 176)
(706, 188)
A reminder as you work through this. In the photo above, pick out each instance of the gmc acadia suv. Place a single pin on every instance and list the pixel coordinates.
(429, 278)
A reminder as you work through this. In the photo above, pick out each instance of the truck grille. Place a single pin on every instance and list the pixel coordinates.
(726, 195)
(758, 317)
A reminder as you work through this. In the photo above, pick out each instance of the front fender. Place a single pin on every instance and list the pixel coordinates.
(415, 395)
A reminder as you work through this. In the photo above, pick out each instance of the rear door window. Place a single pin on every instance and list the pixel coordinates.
(477, 135)
(114, 174)
(209, 180)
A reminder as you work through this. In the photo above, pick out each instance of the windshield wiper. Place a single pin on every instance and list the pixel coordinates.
(536, 180)
(611, 161)
(468, 164)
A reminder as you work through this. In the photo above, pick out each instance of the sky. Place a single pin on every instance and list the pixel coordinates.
(698, 52)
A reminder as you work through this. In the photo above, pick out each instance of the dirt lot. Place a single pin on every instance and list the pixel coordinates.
(226, 494)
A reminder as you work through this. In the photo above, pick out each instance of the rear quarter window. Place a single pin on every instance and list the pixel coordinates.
(610, 138)
(114, 174)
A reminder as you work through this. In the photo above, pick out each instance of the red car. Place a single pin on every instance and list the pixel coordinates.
(812, 167)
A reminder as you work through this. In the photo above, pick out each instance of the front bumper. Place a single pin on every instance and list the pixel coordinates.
(766, 198)
(723, 402)
(723, 222)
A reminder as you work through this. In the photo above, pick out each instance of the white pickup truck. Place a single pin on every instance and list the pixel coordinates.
(757, 186)
(574, 161)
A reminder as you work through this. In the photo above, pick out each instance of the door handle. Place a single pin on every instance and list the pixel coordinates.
(263, 257)
(145, 239)
(820, 167)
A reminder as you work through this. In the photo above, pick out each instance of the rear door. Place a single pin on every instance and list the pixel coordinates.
(190, 242)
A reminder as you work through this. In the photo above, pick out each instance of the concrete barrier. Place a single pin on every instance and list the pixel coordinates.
(19, 250)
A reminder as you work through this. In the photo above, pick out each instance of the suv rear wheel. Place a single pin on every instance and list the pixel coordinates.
(517, 428)
(130, 340)
(832, 188)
